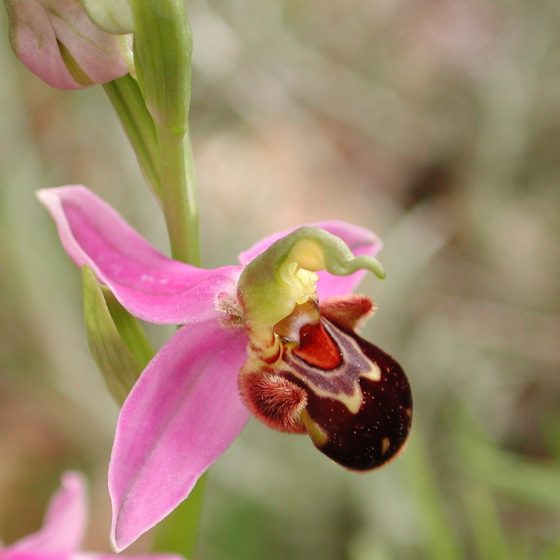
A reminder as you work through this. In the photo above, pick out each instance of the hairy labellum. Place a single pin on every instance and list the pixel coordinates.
(350, 397)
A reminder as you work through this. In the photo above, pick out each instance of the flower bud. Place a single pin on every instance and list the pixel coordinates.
(114, 16)
(59, 43)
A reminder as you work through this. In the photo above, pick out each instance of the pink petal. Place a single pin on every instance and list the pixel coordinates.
(146, 282)
(11, 554)
(182, 414)
(65, 520)
(360, 240)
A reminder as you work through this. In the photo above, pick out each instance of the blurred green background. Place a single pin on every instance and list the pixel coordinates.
(434, 122)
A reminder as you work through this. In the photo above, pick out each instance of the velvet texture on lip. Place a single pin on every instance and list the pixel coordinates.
(352, 398)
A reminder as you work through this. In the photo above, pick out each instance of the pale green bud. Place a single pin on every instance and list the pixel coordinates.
(114, 16)
(116, 339)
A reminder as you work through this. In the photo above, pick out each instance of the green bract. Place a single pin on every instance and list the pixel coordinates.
(116, 339)
(162, 56)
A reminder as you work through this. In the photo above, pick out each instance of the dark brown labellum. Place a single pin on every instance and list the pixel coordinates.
(352, 399)
(377, 432)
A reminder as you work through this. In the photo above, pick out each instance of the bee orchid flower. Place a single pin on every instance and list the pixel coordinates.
(274, 336)
(63, 529)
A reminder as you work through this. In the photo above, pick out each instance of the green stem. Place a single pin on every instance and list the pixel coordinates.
(154, 113)
(178, 532)
(442, 542)
(488, 539)
(126, 98)
(167, 164)
(177, 182)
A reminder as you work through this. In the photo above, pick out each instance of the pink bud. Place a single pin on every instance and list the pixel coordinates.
(58, 42)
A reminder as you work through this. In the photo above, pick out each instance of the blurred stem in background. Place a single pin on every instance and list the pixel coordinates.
(441, 539)
(178, 532)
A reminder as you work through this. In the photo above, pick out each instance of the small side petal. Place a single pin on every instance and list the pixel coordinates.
(182, 414)
(361, 241)
(146, 282)
(65, 520)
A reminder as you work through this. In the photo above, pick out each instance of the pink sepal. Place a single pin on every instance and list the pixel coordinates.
(150, 285)
(182, 414)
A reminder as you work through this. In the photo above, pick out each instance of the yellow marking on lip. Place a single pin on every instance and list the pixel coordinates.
(374, 374)
(352, 402)
(315, 432)
(385, 444)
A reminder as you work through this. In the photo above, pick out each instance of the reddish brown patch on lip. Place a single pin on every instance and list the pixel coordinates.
(317, 348)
